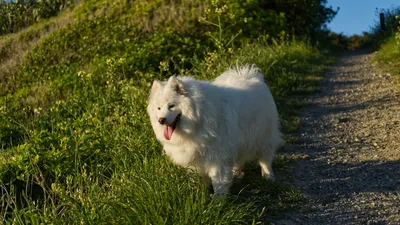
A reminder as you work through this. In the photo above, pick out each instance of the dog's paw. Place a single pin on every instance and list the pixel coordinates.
(268, 176)
(219, 196)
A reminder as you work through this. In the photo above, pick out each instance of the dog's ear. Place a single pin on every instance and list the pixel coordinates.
(156, 85)
(177, 86)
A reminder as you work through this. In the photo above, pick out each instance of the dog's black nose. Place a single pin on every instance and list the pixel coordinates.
(161, 120)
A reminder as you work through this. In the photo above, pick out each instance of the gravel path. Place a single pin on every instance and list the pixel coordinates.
(348, 154)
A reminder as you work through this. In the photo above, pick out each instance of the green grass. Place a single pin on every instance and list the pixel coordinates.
(388, 56)
(76, 145)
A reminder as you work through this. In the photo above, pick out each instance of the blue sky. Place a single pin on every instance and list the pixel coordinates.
(356, 16)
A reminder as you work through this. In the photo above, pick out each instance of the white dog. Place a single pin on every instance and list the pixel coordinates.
(216, 127)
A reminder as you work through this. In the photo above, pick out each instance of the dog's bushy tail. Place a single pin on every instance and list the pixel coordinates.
(244, 73)
(247, 71)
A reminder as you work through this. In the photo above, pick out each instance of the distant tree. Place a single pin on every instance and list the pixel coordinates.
(304, 17)
(309, 16)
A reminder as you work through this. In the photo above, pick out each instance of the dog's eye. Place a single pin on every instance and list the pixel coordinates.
(171, 106)
(158, 108)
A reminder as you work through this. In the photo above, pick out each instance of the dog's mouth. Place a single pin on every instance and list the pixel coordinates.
(169, 129)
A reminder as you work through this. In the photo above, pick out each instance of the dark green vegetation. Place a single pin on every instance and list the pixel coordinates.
(76, 145)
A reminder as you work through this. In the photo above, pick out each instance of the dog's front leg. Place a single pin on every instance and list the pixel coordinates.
(221, 178)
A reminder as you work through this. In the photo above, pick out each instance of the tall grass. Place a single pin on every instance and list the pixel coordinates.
(15, 15)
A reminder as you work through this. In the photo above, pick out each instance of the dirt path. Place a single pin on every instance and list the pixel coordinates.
(348, 153)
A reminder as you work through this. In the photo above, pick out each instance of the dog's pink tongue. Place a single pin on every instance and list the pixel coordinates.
(168, 132)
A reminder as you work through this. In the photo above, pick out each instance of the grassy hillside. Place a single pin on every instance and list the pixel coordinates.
(76, 145)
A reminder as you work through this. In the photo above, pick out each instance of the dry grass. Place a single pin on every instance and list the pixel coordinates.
(177, 13)
(152, 16)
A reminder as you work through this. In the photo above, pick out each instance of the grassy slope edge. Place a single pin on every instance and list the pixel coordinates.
(388, 56)
(77, 146)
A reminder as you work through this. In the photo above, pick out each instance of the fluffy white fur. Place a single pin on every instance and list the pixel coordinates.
(222, 124)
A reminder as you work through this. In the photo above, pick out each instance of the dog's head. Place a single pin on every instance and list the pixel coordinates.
(169, 108)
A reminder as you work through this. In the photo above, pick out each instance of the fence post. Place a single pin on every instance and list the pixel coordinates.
(382, 19)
